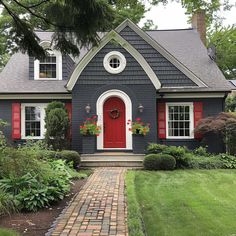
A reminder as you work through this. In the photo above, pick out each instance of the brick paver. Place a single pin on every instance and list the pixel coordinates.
(99, 209)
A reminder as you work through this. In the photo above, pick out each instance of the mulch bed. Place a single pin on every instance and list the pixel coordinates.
(37, 224)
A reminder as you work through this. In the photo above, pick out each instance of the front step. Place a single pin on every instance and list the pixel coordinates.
(112, 159)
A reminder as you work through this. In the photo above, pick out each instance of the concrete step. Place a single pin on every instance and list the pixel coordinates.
(112, 159)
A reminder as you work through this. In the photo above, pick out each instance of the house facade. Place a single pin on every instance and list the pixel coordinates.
(163, 77)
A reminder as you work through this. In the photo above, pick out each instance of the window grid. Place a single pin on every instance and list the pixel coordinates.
(32, 121)
(114, 63)
(47, 67)
(179, 121)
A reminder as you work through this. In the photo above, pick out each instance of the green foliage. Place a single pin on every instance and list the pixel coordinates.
(57, 125)
(7, 203)
(159, 162)
(155, 148)
(201, 151)
(3, 142)
(139, 127)
(224, 39)
(228, 160)
(90, 127)
(230, 103)
(8, 232)
(70, 157)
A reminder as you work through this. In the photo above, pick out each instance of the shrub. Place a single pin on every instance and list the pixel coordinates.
(159, 162)
(70, 156)
(201, 151)
(156, 148)
(57, 125)
(228, 161)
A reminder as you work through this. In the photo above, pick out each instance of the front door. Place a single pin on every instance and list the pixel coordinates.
(114, 123)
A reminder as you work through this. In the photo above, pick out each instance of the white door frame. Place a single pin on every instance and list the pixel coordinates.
(128, 116)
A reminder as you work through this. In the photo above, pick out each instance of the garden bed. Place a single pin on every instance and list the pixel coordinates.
(38, 223)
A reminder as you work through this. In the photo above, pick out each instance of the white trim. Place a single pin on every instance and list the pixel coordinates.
(45, 45)
(112, 35)
(191, 95)
(42, 122)
(191, 117)
(35, 96)
(162, 51)
(128, 116)
(111, 55)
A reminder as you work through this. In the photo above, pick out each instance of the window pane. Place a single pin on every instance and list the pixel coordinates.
(47, 67)
(179, 121)
(32, 121)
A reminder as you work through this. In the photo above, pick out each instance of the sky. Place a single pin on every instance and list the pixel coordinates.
(173, 16)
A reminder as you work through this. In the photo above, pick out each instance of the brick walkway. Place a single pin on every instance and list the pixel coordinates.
(98, 209)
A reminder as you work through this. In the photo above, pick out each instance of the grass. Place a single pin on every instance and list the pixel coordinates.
(184, 203)
(7, 232)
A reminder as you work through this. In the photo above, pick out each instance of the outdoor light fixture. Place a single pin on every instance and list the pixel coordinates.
(140, 108)
(88, 108)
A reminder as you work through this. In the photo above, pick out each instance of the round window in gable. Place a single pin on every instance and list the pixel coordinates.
(114, 62)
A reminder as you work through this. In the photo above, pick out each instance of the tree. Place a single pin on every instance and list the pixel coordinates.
(230, 103)
(223, 124)
(57, 125)
(224, 39)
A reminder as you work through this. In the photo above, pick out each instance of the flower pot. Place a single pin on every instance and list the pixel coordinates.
(139, 143)
(88, 144)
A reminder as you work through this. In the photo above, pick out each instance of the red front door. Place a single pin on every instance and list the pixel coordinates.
(114, 123)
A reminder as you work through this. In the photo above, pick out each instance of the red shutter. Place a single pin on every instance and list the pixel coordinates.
(198, 114)
(16, 121)
(68, 107)
(161, 108)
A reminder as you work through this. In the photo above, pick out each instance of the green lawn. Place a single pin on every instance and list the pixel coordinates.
(184, 202)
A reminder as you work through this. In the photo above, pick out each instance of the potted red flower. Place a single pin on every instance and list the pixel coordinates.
(139, 130)
(89, 130)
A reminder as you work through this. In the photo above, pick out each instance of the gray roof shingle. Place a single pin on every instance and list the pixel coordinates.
(184, 45)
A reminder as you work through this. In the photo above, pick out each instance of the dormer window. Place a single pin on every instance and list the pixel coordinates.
(49, 67)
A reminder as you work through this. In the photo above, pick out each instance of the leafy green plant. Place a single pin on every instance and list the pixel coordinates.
(7, 203)
(3, 142)
(228, 160)
(154, 148)
(201, 151)
(57, 125)
(90, 127)
(139, 127)
(8, 232)
(159, 162)
(70, 157)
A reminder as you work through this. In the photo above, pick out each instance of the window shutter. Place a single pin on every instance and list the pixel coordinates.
(198, 114)
(16, 121)
(161, 108)
(68, 107)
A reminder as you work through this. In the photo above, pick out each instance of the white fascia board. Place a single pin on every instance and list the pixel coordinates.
(112, 35)
(191, 95)
(162, 51)
(35, 96)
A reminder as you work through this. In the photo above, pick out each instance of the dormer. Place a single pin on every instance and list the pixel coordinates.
(49, 67)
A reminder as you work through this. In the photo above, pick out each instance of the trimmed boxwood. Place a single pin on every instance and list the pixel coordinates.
(70, 156)
(159, 162)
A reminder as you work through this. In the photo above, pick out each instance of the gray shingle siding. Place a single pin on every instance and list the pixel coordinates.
(95, 73)
(167, 73)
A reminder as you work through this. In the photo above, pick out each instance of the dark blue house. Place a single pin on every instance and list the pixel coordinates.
(164, 77)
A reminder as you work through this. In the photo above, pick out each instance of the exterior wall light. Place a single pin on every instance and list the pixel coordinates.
(88, 109)
(140, 108)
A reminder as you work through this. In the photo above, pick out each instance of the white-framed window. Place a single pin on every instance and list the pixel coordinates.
(179, 120)
(114, 62)
(49, 67)
(32, 120)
